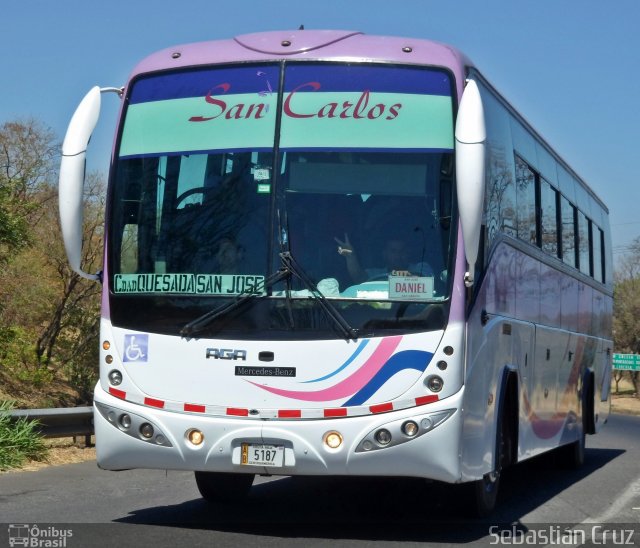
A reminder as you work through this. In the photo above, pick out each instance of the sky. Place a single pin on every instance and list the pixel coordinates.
(569, 66)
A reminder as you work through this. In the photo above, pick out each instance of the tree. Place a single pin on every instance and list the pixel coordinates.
(72, 327)
(49, 315)
(626, 307)
(28, 153)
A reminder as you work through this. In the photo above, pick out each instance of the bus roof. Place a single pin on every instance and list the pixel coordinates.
(327, 45)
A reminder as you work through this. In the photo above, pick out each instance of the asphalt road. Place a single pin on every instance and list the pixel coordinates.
(157, 508)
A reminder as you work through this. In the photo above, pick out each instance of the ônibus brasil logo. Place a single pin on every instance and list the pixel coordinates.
(38, 536)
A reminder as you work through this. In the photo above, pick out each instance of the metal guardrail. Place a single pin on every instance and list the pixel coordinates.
(61, 422)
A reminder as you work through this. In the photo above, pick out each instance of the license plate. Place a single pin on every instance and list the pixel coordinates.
(257, 454)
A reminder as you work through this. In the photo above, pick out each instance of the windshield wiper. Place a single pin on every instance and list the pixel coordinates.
(200, 323)
(291, 265)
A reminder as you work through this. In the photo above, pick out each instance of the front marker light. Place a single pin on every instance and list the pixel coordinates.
(333, 440)
(195, 437)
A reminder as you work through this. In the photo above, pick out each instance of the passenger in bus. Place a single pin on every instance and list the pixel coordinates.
(229, 256)
(395, 256)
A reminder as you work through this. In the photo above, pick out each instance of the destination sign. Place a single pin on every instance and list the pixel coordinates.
(189, 284)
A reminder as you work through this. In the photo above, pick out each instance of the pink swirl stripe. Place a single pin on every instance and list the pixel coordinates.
(351, 384)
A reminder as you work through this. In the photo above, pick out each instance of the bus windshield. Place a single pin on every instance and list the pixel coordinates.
(347, 168)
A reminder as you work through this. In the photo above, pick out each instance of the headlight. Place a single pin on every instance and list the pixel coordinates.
(402, 431)
(383, 436)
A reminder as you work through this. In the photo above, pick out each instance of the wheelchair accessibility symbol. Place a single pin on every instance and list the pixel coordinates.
(136, 348)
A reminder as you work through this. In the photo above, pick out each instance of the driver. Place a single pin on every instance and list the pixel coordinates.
(395, 255)
(229, 256)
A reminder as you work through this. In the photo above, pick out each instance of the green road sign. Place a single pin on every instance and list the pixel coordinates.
(629, 362)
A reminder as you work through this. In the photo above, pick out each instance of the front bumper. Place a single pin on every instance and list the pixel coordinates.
(433, 453)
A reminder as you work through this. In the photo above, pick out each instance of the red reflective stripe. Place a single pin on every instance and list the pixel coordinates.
(339, 412)
(289, 414)
(282, 413)
(154, 403)
(381, 408)
(237, 412)
(426, 399)
(117, 393)
(194, 408)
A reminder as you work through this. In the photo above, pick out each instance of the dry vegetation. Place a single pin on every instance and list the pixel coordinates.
(625, 401)
(60, 451)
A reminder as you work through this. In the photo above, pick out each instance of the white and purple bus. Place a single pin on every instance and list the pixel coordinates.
(328, 253)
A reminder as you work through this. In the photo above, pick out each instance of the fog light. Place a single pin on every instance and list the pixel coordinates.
(195, 437)
(383, 436)
(434, 383)
(146, 430)
(410, 428)
(333, 440)
(125, 421)
(115, 377)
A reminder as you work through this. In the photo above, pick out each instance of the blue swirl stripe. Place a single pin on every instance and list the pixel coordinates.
(345, 364)
(408, 359)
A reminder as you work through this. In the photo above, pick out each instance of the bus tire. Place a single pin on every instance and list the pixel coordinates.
(485, 490)
(572, 455)
(222, 487)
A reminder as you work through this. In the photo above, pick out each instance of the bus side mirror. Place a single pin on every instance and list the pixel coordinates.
(470, 171)
(72, 172)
